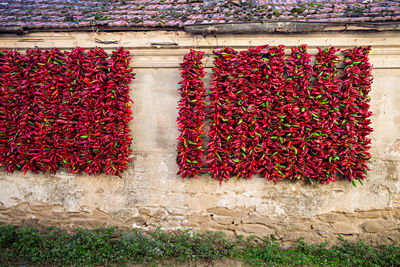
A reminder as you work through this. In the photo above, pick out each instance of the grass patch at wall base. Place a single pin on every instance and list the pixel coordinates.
(26, 245)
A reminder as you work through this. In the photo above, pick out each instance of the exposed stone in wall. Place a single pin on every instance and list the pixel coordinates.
(376, 227)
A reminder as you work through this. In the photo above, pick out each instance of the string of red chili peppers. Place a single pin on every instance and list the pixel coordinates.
(219, 158)
(118, 109)
(246, 101)
(274, 138)
(191, 115)
(322, 158)
(70, 109)
(296, 122)
(355, 121)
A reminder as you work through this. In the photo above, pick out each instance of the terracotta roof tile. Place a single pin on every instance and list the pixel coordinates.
(70, 14)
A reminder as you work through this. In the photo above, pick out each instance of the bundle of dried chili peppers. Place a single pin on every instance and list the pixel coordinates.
(67, 109)
(286, 120)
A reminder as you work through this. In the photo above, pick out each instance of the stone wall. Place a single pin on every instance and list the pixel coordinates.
(151, 194)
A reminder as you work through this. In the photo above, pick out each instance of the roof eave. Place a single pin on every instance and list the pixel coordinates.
(12, 29)
(290, 27)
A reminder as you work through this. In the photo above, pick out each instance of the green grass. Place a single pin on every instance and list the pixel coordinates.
(28, 246)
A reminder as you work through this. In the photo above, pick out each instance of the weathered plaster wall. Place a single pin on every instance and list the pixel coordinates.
(150, 194)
